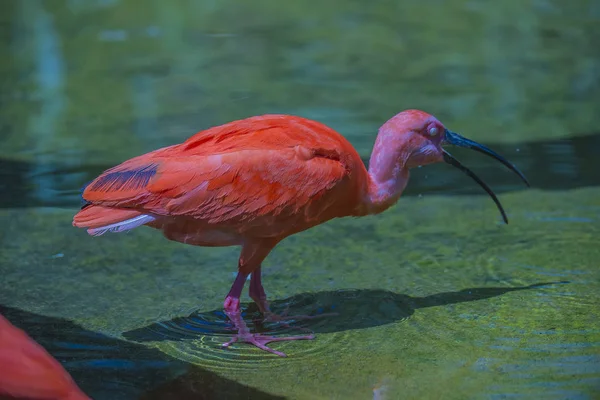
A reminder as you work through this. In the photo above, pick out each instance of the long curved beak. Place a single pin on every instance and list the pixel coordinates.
(457, 140)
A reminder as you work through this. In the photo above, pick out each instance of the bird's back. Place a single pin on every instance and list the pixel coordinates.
(269, 132)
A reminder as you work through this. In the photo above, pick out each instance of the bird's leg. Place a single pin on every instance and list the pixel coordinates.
(257, 293)
(232, 301)
(252, 255)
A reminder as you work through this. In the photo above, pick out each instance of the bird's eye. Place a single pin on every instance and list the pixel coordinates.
(433, 131)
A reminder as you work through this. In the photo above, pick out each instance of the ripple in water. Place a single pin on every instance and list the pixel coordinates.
(198, 337)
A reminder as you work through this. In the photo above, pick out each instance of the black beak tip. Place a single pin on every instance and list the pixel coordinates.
(521, 175)
(504, 217)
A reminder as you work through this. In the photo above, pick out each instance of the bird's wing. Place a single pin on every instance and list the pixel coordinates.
(239, 185)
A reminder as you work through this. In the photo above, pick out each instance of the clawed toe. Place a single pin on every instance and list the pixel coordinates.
(261, 341)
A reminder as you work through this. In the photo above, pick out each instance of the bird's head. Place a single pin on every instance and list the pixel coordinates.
(418, 138)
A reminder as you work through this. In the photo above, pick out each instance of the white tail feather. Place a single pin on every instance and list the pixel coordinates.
(122, 226)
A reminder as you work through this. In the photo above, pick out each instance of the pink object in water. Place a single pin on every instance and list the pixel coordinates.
(28, 372)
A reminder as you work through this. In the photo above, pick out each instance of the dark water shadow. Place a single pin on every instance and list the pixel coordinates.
(108, 368)
(356, 309)
(549, 165)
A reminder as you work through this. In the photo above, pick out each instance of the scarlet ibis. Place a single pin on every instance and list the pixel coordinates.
(255, 181)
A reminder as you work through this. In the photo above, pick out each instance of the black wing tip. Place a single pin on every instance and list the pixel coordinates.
(84, 202)
(125, 179)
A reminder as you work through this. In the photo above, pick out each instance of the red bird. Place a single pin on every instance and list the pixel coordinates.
(255, 181)
(28, 372)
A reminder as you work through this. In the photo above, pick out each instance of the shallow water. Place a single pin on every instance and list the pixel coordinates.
(435, 298)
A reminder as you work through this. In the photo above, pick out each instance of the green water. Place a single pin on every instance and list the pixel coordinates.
(436, 299)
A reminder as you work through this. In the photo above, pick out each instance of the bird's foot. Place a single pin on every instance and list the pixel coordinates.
(244, 334)
(261, 341)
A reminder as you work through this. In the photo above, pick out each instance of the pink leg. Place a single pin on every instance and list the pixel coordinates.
(232, 309)
(257, 293)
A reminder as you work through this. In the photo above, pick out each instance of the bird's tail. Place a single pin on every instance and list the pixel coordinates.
(99, 220)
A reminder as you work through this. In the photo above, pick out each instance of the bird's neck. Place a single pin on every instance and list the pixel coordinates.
(388, 174)
(382, 193)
